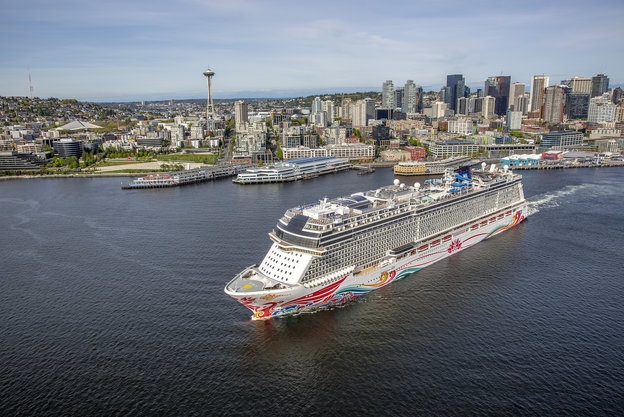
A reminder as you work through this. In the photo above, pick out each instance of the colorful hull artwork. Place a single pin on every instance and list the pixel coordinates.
(296, 300)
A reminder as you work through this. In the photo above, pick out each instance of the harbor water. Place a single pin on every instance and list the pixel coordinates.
(112, 303)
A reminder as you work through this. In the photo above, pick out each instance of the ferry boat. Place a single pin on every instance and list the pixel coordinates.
(430, 168)
(333, 251)
(184, 177)
(293, 170)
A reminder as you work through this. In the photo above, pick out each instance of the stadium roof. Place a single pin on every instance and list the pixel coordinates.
(77, 125)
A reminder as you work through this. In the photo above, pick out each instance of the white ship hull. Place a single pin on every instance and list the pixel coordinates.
(332, 291)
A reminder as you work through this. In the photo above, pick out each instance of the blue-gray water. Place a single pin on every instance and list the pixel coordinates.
(112, 303)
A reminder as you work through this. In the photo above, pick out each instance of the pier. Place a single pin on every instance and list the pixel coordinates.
(179, 178)
(605, 164)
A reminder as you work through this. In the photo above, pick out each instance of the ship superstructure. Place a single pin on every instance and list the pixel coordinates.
(327, 253)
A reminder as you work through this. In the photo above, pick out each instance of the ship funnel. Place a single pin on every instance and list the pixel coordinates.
(492, 168)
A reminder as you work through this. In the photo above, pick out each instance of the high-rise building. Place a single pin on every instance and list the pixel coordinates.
(561, 139)
(498, 87)
(317, 105)
(601, 110)
(576, 105)
(580, 85)
(387, 95)
(410, 103)
(488, 105)
(329, 108)
(554, 101)
(538, 85)
(455, 88)
(514, 120)
(241, 116)
(617, 95)
(515, 90)
(521, 103)
(346, 109)
(599, 85)
(363, 111)
(462, 106)
(398, 98)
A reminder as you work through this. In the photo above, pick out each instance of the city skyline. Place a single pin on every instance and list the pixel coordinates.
(119, 51)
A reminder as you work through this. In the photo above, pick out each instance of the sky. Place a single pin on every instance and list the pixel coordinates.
(128, 50)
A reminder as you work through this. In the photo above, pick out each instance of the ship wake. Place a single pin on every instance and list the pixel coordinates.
(554, 199)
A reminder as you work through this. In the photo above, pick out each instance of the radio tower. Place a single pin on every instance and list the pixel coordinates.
(209, 106)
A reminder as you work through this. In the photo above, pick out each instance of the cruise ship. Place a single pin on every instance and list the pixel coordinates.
(293, 170)
(330, 252)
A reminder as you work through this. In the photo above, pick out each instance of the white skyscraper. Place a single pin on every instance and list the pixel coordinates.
(317, 105)
(409, 97)
(241, 116)
(387, 95)
(329, 108)
(601, 110)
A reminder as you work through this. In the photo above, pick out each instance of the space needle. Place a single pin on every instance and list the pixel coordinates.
(209, 106)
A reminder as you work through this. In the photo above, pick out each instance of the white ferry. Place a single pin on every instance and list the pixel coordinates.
(328, 253)
(293, 170)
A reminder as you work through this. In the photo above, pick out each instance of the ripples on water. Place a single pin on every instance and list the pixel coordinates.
(112, 303)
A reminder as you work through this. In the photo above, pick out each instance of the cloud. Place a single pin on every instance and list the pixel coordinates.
(75, 48)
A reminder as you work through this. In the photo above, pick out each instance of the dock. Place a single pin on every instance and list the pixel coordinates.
(180, 178)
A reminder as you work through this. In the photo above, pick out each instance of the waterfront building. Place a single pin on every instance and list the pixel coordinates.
(599, 85)
(388, 100)
(562, 139)
(452, 148)
(67, 147)
(18, 161)
(417, 153)
(351, 151)
(554, 100)
(601, 110)
(538, 85)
